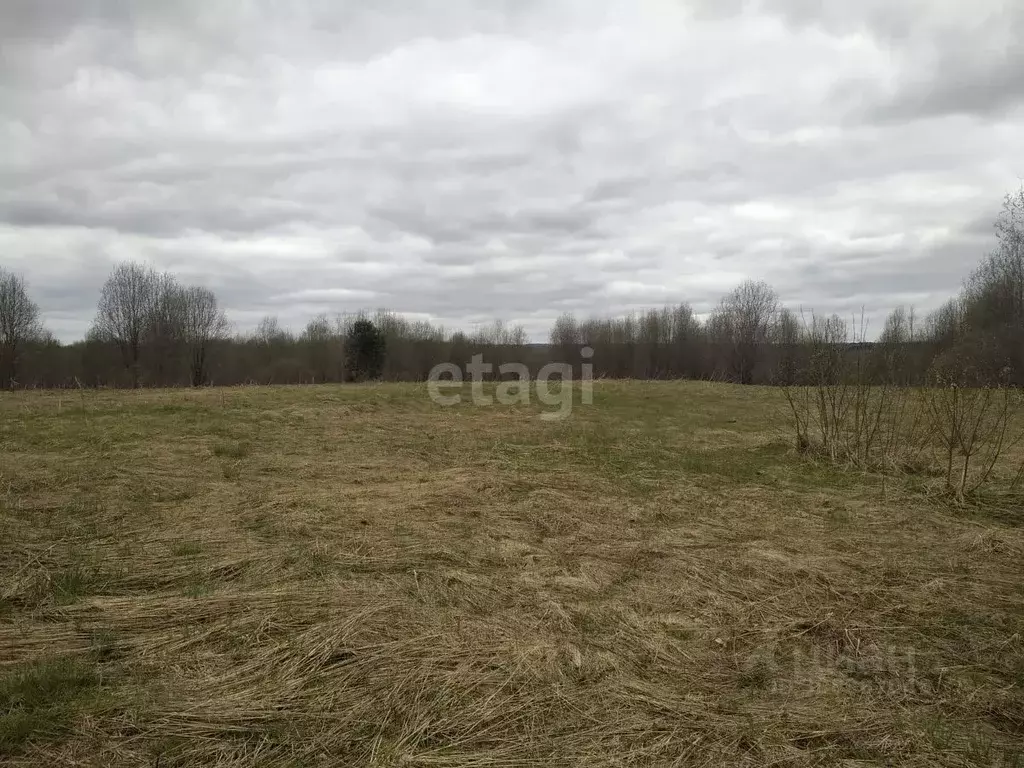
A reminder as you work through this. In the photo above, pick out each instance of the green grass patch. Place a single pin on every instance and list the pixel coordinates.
(231, 449)
(186, 548)
(39, 701)
(71, 584)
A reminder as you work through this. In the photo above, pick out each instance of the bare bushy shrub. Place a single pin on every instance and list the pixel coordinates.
(855, 404)
(972, 418)
(842, 409)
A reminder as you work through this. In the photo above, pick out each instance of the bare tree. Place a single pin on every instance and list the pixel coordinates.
(566, 331)
(269, 331)
(945, 325)
(652, 353)
(657, 343)
(319, 342)
(276, 358)
(1010, 226)
(499, 333)
(895, 358)
(993, 300)
(126, 310)
(687, 337)
(203, 323)
(900, 327)
(164, 336)
(685, 326)
(566, 337)
(785, 335)
(318, 329)
(742, 325)
(19, 322)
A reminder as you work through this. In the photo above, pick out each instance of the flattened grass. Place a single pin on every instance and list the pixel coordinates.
(354, 575)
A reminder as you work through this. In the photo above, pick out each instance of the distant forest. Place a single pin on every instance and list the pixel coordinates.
(152, 331)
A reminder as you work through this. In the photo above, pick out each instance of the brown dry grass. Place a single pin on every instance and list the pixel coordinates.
(356, 576)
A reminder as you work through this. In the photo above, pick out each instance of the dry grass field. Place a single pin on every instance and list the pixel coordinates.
(353, 575)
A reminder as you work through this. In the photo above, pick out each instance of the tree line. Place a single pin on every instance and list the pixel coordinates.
(152, 330)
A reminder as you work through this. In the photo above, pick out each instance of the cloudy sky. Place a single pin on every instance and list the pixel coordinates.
(464, 160)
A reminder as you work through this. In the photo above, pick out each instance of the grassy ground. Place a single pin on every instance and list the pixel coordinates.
(357, 576)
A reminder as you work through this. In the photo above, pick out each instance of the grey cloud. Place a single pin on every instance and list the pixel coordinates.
(907, 273)
(949, 57)
(494, 159)
(45, 20)
(158, 220)
(988, 88)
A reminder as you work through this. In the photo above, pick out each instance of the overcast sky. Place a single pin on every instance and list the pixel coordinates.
(465, 160)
